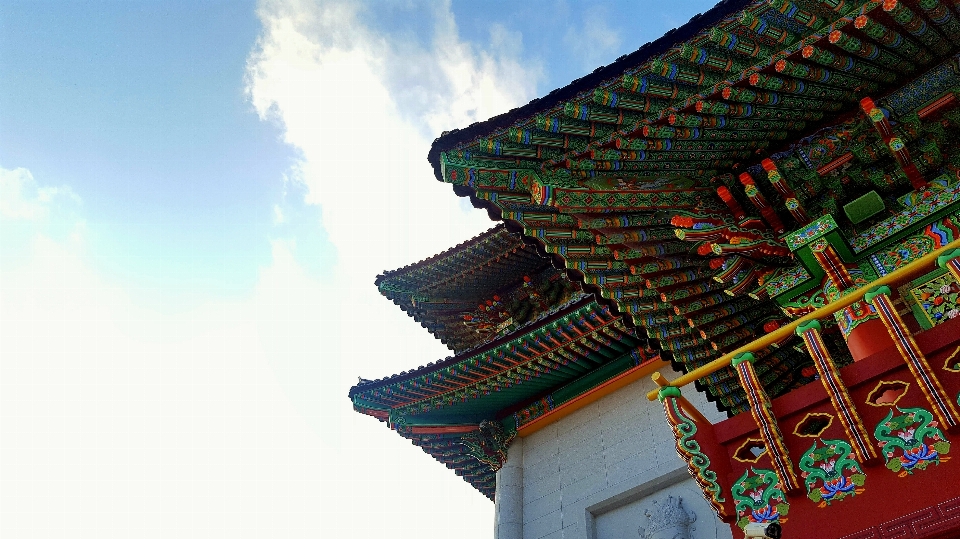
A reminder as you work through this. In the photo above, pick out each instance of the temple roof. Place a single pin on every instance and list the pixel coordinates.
(562, 337)
(470, 293)
(526, 340)
(559, 96)
(666, 180)
(681, 188)
(561, 354)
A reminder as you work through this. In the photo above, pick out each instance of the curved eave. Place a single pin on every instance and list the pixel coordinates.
(698, 23)
(430, 368)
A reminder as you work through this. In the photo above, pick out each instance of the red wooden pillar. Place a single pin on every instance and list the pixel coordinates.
(868, 338)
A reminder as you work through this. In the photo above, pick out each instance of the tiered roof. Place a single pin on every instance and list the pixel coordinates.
(684, 186)
(518, 369)
(666, 180)
(456, 294)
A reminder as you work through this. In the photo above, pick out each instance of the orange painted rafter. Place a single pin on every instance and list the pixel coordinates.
(444, 429)
(945, 101)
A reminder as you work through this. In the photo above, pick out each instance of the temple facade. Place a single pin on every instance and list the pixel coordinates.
(722, 300)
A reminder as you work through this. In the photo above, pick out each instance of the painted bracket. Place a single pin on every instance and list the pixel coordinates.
(933, 390)
(762, 413)
(688, 434)
(839, 396)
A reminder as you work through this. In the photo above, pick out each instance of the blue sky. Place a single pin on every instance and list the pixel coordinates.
(195, 198)
(139, 107)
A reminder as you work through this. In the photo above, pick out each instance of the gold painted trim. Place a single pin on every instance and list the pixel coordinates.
(878, 390)
(787, 331)
(946, 363)
(743, 447)
(796, 429)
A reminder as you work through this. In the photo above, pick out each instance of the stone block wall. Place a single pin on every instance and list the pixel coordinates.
(595, 473)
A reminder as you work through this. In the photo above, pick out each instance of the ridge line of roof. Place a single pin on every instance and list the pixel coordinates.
(449, 139)
(462, 245)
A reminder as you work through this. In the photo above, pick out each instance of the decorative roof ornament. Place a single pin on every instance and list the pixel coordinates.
(669, 520)
(489, 443)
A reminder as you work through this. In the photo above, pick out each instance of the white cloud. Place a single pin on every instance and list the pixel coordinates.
(123, 414)
(22, 199)
(362, 107)
(591, 40)
(278, 217)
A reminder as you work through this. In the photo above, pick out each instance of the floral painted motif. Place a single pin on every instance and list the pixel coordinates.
(850, 317)
(830, 474)
(759, 498)
(787, 279)
(934, 298)
(814, 230)
(906, 252)
(913, 198)
(933, 236)
(919, 212)
(911, 441)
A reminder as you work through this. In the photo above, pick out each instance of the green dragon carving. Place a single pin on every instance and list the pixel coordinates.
(698, 463)
(759, 497)
(489, 443)
(911, 441)
(829, 472)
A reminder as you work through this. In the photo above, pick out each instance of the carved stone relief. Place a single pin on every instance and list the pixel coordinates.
(668, 519)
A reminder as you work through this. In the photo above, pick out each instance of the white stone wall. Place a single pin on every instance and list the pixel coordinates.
(593, 474)
(508, 522)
